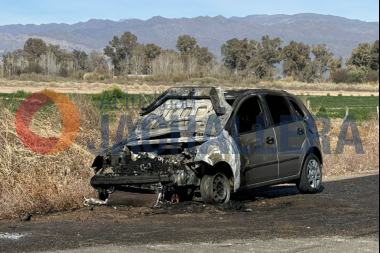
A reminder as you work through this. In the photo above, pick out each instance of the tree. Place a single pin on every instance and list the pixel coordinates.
(12, 63)
(270, 50)
(236, 54)
(296, 57)
(203, 56)
(264, 56)
(186, 44)
(34, 48)
(167, 62)
(120, 51)
(322, 57)
(360, 57)
(374, 61)
(97, 60)
(152, 51)
(334, 64)
(138, 59)
(80, 59)
(259, 68)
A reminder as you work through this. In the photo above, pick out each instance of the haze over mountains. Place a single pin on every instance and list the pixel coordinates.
(341, 35)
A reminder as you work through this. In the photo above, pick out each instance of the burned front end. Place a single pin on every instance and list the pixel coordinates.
(176, 143)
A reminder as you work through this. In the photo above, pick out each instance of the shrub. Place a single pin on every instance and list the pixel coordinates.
(340, 76)
(63, 71)
(373, 77)
(102, 70)
(322, 111)
(251, 81)
(77, 75)
(357, 76)
(34, 68)
(91, 77)
(180, 77)
(288, 79)
(116, 91)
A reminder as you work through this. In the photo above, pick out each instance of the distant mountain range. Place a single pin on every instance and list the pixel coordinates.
(341, 35)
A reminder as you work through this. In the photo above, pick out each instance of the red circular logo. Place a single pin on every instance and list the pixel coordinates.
(70, 120)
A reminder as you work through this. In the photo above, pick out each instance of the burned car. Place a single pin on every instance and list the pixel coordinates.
(206, 144)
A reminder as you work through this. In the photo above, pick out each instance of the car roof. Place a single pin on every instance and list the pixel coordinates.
(233, 94)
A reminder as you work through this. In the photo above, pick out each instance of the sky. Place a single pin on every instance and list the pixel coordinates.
(73, 11)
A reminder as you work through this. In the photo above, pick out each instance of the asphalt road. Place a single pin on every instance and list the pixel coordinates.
(344, 217)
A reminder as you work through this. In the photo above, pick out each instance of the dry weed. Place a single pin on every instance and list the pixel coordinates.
(38, 183)
(349, 161)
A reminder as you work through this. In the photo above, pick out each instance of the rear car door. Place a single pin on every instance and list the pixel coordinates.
(258, 146)
(290, 133)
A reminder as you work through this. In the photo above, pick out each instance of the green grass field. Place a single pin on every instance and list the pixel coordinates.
(363, 108)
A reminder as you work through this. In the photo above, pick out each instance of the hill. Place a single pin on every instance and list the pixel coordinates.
(341, 35)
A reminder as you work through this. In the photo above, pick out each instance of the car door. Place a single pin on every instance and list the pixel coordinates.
(258, 145)
(291, 135)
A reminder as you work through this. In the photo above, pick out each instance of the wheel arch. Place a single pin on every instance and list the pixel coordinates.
(222, 166)
(312, 151)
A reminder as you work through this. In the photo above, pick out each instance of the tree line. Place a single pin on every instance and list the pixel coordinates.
(246, 58)
(37, 57)
(299, 61)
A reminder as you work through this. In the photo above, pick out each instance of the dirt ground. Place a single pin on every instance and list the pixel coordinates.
(347, 208)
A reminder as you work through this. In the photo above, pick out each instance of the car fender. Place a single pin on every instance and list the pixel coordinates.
(221, 149)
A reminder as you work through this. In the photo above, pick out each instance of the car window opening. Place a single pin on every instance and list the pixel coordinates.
(251, 116)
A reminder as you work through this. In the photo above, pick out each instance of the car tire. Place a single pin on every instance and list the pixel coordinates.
(311, 176)
(215, 189)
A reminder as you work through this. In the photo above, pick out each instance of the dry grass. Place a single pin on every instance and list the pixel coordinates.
(141, 85)
(349, 161)
(39, 184)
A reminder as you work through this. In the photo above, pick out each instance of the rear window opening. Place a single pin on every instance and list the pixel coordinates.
(279, 109)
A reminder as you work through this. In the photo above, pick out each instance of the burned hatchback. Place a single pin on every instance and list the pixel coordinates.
(205, 144)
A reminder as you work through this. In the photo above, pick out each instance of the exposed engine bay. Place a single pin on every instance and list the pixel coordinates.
(167, 175)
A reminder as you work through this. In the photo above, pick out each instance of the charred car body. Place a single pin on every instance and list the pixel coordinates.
(205, 144)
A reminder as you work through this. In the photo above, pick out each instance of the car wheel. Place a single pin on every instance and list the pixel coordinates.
(311, 176)
(215, 189)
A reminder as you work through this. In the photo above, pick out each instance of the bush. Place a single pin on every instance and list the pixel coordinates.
(180, 77)
(251, 81)
(91, 77)
(34, 68)
(357, 76)
(77, 75)
(102, 70)
(340, 76)
(322, 111)
(116, 91)
(288, 79)
(373, 77)
(63, 71)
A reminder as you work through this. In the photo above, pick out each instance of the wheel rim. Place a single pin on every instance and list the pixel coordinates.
(219, 189)
(314, 174)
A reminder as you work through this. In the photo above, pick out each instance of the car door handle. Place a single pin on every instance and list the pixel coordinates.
(270, 140)
(300, 131)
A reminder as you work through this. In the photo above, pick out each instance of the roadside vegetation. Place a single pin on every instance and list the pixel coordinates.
(244, 61)
(40, 184)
